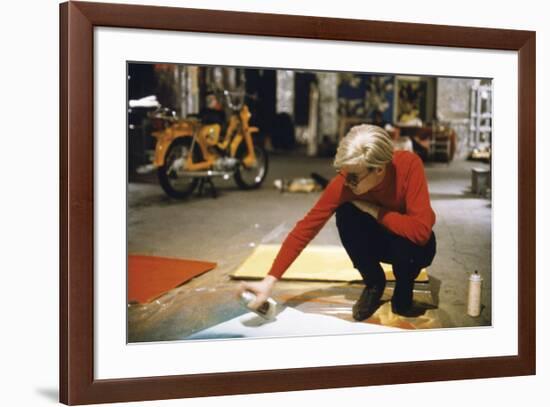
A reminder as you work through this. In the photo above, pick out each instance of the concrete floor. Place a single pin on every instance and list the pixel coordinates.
(225, 230)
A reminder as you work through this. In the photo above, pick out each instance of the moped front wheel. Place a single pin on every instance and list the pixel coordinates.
(169, 175)
(251, 177)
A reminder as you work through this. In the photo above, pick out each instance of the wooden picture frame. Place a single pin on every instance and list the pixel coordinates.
(77, 22)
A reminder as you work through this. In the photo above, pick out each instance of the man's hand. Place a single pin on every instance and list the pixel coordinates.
(368, 207)
(261, 289)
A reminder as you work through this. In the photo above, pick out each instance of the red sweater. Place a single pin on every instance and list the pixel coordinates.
(404, 203)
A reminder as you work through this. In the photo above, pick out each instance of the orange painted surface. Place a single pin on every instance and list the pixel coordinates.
(150, 276)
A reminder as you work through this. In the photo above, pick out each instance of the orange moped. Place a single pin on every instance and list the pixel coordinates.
(193, 151)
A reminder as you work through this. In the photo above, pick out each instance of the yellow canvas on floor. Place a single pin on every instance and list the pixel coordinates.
(316, 263)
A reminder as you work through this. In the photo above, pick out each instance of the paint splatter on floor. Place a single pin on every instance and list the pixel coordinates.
(192, 308)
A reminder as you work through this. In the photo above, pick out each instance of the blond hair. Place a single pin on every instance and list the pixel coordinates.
(365, 145)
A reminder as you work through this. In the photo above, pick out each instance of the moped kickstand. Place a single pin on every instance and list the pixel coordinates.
(207, 181)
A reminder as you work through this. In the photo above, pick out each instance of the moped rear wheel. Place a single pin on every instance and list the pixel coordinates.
(170, 179)
(251, 177)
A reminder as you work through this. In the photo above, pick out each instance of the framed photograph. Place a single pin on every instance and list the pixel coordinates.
(201, 156)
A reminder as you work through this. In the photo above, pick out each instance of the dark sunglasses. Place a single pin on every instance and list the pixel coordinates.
(353, 179)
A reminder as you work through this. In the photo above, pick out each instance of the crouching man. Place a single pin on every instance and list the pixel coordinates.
(383, 214)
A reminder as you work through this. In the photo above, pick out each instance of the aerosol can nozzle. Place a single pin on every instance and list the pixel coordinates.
(267, 310)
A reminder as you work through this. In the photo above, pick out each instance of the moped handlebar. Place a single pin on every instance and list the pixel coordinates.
(235, 99)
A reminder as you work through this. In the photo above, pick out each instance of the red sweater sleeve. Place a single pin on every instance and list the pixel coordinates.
(307, 228)
(417, 221)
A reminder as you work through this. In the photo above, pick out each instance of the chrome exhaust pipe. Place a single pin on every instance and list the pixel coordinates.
(205, 174)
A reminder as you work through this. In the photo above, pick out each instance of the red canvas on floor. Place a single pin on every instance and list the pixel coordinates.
(150, 276)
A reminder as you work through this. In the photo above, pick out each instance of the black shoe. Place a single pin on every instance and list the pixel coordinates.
(411, 311)
(368, 302)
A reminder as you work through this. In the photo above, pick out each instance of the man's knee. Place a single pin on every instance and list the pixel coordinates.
(345, 213)
(348, 213)
(346, 209)
(403, 251)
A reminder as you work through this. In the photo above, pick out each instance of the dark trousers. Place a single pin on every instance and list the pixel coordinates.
(368, 243)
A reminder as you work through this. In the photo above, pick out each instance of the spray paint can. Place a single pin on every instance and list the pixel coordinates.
(474, 294)
(267, 310)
